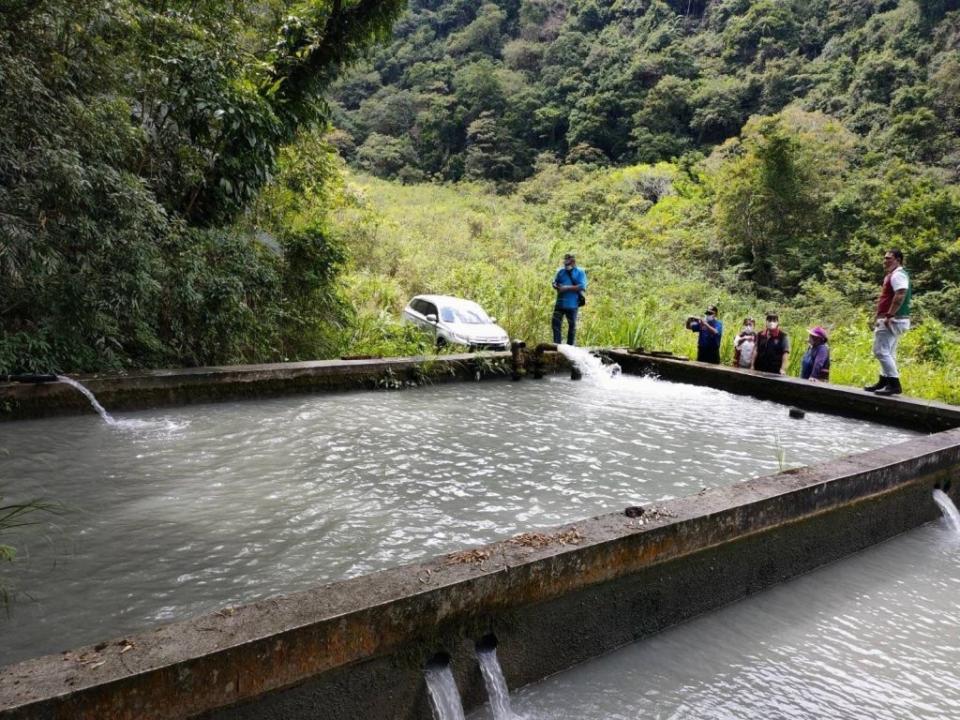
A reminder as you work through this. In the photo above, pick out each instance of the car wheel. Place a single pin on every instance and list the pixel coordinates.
(441, 343)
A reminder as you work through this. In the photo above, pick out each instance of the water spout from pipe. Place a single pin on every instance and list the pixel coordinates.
(107, 417)
(589, 366)
(444, 695)
(496, 684)
(949, 510)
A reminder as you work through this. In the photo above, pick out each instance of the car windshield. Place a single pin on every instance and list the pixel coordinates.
(466, 314)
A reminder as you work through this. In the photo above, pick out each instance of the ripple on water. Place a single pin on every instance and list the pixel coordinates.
(176, 514)
(876, 635)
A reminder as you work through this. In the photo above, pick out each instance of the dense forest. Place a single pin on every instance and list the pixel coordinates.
(136, 138)
(189, 182)
(479, 89)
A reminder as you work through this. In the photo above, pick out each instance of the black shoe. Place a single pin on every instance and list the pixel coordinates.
(891, 388)
(879, 384)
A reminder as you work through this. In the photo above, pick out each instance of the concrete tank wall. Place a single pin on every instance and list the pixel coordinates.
(356, 648)
(158, 388)
(923, 415)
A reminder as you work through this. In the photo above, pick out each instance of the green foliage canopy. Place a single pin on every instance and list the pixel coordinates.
(133, 137)
(648, 80)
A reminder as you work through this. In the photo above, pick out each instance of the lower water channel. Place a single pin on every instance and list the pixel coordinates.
(170, 514)
(876, 635)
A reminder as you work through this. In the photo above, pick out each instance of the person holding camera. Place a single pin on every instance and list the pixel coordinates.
(710, 331)
(569, 283)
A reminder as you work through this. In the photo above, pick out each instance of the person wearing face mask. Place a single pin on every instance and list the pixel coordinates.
(710, 331)
(892, 320)
(772, 353)
(744, 344)
(570, 282)
(815, 365)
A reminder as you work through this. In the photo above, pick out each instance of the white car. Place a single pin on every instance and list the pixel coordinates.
(456, 321)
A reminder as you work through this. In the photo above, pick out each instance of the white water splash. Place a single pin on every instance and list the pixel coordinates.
(497, 690)
(949, 510)
(156, 428)
(444, 695)
(590, 365)
(107, 417)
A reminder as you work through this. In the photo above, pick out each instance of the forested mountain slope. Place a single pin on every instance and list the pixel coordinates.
(757, 154)
(803, 136)
(478, 89)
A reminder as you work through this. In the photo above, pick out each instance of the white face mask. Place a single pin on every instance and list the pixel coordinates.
(747, 329)
(710, 316)
(772, 324)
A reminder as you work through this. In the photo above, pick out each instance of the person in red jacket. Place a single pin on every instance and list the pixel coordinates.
(772, 353)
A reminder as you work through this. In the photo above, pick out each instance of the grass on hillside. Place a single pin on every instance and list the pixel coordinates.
(503, 251)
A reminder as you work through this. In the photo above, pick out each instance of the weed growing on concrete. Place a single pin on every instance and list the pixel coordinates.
(428, 369)
(390, 381)
(484, 365)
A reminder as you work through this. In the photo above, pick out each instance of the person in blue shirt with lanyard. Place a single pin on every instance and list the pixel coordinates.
(710, 331)
(570, 282)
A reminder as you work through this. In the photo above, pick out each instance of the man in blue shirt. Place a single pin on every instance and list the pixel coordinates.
(569, 282)
(711, 332)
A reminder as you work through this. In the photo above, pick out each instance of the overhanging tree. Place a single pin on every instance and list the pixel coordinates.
(133, 135)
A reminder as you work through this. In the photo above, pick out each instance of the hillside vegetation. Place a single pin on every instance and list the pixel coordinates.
(753, 153)
(646, 271)
(173, 191)
(474, 90)
(136, 137)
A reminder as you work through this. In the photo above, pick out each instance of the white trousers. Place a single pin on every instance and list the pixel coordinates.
(885, 341)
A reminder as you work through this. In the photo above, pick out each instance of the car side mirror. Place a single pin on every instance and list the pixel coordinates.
(493, 320)
(431, 318)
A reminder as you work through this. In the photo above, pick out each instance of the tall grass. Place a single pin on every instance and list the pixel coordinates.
(15, 515)
(503, 251)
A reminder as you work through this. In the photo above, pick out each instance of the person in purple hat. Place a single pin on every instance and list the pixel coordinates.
(815, 364)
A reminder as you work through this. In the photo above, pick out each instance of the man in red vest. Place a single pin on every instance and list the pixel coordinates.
(772, 353)
(892, 321)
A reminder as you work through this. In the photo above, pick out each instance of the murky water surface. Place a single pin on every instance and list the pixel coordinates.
(177, 512)
(874, 636)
